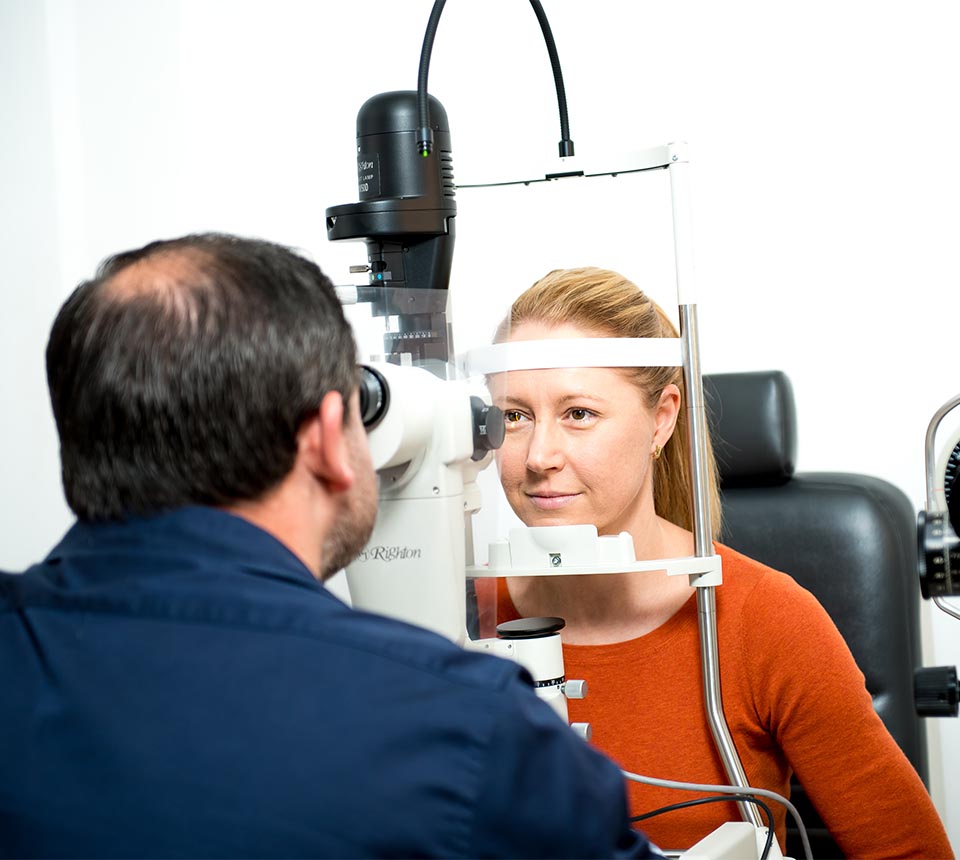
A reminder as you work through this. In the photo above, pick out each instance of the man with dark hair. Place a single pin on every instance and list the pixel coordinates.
(176, 679)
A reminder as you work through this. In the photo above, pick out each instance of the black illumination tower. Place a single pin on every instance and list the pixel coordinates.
(405, 216)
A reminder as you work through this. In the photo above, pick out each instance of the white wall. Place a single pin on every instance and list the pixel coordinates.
(823, 139)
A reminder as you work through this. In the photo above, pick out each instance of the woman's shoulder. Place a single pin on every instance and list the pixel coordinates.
(743, 565)
(756, 582)
(776, 622)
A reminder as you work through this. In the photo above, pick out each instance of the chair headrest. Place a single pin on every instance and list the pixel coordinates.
(753, 425)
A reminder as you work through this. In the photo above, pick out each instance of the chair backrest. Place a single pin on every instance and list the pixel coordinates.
(850, 539)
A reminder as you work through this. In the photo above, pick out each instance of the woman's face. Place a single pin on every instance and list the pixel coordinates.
(579, 441)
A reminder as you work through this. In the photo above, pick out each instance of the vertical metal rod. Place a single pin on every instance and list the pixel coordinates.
(702, 522)
(696, 421)
(931, 453)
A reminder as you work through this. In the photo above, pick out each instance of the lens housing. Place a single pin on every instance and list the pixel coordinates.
(374, 397)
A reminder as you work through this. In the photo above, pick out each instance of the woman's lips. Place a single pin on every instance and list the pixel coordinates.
(551, 501)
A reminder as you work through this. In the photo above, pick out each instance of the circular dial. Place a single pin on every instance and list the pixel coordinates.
(950, 473)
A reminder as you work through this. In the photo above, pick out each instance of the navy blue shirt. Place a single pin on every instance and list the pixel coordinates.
(183, 686)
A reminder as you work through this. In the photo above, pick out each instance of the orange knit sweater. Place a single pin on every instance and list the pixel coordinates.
(794, 700)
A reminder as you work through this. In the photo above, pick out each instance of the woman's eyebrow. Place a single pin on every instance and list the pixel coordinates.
(581, 396)
(517, 401)
(505, 400)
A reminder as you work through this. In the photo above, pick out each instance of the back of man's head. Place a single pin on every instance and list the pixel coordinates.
(181, 373)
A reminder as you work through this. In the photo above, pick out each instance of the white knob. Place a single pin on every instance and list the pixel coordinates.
(583, 730)
(575, 689)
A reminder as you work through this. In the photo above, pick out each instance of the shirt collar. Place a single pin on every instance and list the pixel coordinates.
(188, 531)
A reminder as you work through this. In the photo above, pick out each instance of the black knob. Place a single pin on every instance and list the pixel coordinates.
(938, 550)
(935, 691)
(488, 428)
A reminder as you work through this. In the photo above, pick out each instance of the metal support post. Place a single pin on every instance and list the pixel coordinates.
(702, 522)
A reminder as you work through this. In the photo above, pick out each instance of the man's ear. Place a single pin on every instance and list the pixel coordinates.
(323, 447)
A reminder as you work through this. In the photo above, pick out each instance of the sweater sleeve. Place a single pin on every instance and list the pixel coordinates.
(811, 696)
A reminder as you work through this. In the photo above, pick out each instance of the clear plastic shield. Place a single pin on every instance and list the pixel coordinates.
(542, 227)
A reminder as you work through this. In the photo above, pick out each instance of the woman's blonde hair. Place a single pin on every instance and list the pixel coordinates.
(605, 302)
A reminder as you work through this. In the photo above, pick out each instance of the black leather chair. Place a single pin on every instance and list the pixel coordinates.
(850, 539)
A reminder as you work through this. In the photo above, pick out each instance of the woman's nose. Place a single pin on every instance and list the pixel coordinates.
(545, 451)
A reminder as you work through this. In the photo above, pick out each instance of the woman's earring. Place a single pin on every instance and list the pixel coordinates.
(657, 452)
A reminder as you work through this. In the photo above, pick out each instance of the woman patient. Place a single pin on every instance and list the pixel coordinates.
(608, 446)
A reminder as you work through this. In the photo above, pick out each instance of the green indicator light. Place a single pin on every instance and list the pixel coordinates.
(425, 154)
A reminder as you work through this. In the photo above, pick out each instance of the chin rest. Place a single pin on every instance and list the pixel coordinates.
(850, 539)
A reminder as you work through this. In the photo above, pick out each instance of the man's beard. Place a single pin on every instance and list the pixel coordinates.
(352, 529)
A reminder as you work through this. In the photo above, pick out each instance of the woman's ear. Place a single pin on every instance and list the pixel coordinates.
(665, 414)
(323, 447)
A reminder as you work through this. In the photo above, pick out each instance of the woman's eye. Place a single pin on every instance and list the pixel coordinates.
(578, 414)
(512, 416)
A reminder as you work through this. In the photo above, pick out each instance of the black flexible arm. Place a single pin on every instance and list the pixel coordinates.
(425, 133)
(566, 145)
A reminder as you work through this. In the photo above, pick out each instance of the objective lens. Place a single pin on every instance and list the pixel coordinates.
(374, 397)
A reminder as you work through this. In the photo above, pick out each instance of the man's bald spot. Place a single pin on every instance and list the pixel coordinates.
(172, 277)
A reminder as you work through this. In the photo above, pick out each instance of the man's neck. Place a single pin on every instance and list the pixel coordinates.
(286, 516)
